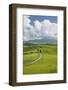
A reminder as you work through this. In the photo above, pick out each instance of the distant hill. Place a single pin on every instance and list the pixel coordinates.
(46, 40)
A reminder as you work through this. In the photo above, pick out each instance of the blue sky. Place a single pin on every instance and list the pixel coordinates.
(39, 27)
(52, 19)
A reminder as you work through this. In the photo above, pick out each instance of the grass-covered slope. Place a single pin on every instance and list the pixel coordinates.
(46, 64)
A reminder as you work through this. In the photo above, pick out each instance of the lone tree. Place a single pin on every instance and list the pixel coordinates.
(40, 50)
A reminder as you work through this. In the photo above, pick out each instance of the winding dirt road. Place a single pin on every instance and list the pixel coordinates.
(34, 61)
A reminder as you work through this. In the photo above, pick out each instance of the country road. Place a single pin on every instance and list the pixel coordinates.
(34, 61)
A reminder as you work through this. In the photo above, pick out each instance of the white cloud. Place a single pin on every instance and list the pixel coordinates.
(49, 28)
(26, 21)
(39, 29)
(28, 29)
(37, 25)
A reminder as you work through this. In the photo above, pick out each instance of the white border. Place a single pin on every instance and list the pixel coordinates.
(38, 77)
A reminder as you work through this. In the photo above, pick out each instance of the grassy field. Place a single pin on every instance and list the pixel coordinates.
(47, 62)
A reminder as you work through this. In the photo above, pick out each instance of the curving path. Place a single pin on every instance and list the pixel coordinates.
(40, 55)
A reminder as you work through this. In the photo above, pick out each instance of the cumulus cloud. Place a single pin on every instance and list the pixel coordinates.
(37, 25)
(49, 28)
(39, 30)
